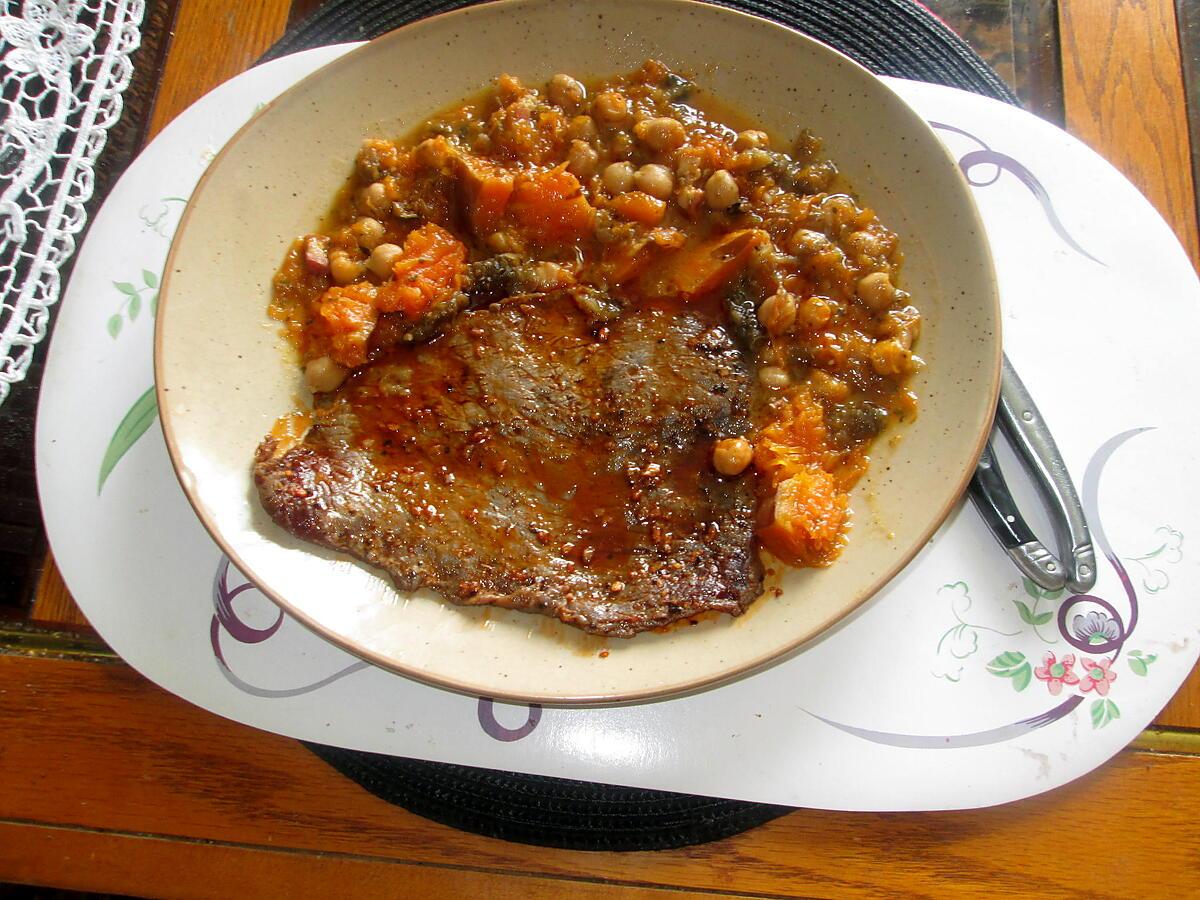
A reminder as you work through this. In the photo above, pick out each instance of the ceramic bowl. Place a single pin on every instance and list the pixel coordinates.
(224, 373)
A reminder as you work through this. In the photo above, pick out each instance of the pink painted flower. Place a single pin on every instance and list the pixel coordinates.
(1097, 676)
(1056, 673)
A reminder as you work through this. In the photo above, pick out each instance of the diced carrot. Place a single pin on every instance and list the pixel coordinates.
(490, 203)
(638, 207)
(806, 522)
(486, 190)
(348, 314)
(793, 441)
(704, 267)
(626, 260)
(430, 269)
(550, 207)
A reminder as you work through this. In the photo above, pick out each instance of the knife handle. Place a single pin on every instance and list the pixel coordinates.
(1022, 424)
(991, 496)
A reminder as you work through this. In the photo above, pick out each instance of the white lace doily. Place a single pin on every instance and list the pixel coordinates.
(64, 66)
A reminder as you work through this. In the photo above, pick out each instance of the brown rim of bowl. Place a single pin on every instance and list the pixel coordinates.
(662, 692)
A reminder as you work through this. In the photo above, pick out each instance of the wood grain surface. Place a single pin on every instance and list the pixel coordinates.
(142, 865)
(1123, 96)
(100, 750)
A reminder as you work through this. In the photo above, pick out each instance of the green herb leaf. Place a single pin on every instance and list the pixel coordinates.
(149, 278)
(114, 326)
(140, 416)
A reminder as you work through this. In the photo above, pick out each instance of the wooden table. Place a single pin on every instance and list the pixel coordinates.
(109, 784)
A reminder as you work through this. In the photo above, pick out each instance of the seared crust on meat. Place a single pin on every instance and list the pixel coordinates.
(527, 460)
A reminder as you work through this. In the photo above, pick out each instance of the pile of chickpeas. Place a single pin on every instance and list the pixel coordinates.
(834, 322)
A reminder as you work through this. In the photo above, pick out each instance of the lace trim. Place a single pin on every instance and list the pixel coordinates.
(65, 65)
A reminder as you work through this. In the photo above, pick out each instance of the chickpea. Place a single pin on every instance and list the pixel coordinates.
(323, 374)
(582, 128)
(689, 165)
(383, 258)
(611, 107)
(655, 180)
(618, 177)
(889, 358)
(620, 146)
(368, 232)
(805, 242)
(690, 198)
(774, 378)
(508, 87)
(565, 91)
(876, 291)
(582, 159)
(814, 313)
(343, 267)
(661, 133)
(864, 243)
(827, 386)
(778, 313)
(721, 190)
(375, 199)
(751, 140)
(751, 161)
(731, 456)
(433, 153)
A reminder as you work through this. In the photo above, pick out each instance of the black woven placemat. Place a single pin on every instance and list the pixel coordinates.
(890, 37)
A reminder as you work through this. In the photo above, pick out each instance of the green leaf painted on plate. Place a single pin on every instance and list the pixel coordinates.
(1021, 677)
(114, 326)
(1138, 666)
(1103, 712)
(140, 416)
(1042, 618)
(1030, 588)
(1053, 595)
(1011, 664)
(135, 306)
(1025, 612)
(125, 288)
(1005, 661)
(150, 279)
(154, 304)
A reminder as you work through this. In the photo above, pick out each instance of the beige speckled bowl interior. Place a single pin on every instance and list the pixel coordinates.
(224, 374)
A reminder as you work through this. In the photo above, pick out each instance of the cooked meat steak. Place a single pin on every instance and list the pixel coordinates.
(531, 459)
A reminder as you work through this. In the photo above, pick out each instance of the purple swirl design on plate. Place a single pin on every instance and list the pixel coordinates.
(487, 721)
(227, 619)
(1091, 506)
(1005, 163)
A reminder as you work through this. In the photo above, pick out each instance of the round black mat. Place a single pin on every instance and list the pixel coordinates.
(890, 37)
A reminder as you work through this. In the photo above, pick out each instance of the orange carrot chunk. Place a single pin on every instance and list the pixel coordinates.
(550, 207)
(805, 523)
(704, 267)
(348, 315)
(639, 207)
(429, 270)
